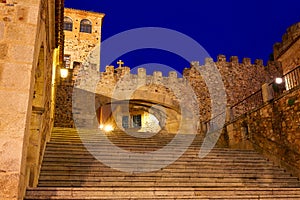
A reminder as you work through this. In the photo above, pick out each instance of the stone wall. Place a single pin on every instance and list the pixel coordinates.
(240, 80)
(26, 62)
(63, 115)
(273, 129)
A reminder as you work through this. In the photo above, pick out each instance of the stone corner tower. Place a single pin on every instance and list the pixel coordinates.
(82, 31)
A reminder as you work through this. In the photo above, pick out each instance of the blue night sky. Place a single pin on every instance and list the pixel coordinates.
(233, 27)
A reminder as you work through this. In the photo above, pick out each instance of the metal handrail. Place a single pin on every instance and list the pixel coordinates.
(290, 80)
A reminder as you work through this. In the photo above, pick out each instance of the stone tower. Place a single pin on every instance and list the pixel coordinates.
(287, 52)
(82, 31)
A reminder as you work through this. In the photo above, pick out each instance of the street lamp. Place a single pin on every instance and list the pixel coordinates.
(64, 73)
(278, 80)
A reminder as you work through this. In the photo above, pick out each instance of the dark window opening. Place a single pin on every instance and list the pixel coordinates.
(125, 122)
(137, 120)
(68, 24)
(85, 26)
(67, 61)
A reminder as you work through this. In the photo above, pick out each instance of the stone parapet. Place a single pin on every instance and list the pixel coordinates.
(292, 34)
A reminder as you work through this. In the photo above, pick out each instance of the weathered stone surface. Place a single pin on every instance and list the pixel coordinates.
(2, 28)
(32, 15)
(19, 33)
(8, 183)
(13, 101)
(11, 122)
(21, 53)
(287, 52)
(273, 129)
(3, 50)
(20, 87)
(11, 151)
(15, 76)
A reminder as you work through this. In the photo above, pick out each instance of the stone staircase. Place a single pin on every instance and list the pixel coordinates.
(70, 171)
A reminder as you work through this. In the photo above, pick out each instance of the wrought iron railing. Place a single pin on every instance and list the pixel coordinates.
(255, 100)
(292, 79)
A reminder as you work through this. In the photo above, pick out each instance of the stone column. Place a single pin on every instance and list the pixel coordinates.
(142, 76)
(266, 92)
(229, 114)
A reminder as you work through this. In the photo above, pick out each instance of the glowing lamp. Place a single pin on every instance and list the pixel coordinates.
(64, 73)
(108, 128)
(278, 80)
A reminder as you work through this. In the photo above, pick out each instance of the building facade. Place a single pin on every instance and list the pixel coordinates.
(31, 46)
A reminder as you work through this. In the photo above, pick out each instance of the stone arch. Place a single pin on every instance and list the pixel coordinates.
(153, 99)
(113, 113)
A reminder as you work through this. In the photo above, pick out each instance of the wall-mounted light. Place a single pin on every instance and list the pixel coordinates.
(278, 80)
(108, 128)
(64, 73)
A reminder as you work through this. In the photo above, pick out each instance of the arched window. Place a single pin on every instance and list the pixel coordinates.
(68, 24)
(85, 26)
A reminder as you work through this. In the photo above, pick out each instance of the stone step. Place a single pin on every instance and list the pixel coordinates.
(82, 149)
(165, 172)
(164, 197)
(185, 157)
(162, 192)
(183, 160)
(145, 183)
(217, 152)
(69, 171)
(128, 143)
(165, 179)
(258, 166)
(209, 170)
(201, 173)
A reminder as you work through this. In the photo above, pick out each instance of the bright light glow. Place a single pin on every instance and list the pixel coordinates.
(108, 128)
(278, 80)
(64, 73)
(101, 126)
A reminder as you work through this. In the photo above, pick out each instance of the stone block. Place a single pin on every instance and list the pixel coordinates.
(22, 14)
(23, 33)
(3, 51)
(2, 28)
(11, 151)
(33, 15)
(13, 102)
(9, 185)
(21, 53)
(12, 122)
(25, 2)
(15, 76)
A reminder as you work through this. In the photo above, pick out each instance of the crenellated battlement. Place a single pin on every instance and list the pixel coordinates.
(233, 61)
(232, 68)
(141, 78)
(291, 35)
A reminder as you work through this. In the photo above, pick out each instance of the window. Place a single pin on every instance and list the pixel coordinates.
(67, 61)
(68, 24)
(137, 120)
(125, 122)
(85, 26)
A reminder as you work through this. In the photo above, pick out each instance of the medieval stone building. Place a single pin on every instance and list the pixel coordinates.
(31, 46)
(260, 115)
